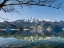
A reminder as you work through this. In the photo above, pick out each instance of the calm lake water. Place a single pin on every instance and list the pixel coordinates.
(25, 39)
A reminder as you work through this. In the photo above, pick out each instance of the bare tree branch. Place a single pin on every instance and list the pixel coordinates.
(49, 3)
(3, 3)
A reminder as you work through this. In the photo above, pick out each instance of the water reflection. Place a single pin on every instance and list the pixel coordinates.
(27, 39)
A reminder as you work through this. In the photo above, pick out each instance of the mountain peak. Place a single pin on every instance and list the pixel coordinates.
(32, 19)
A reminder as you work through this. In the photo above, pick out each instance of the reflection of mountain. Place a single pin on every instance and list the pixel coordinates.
(35, 38)
(23, 41)
(28, 38)
(30, 41)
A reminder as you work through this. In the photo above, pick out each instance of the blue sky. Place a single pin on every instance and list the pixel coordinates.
(35, 11)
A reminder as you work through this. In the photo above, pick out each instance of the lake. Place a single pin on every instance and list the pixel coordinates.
(27, 39)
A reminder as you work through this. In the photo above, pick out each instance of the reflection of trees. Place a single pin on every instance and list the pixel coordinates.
(30, 33)
(28, 38)
(38, 44)
(44, 43)
(31, 38)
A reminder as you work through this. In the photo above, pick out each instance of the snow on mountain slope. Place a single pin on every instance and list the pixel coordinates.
(32, 19)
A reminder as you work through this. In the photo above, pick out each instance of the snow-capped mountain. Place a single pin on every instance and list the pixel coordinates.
(32, 19)
(46, 20)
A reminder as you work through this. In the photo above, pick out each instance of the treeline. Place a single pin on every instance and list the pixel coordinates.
(41, 26)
